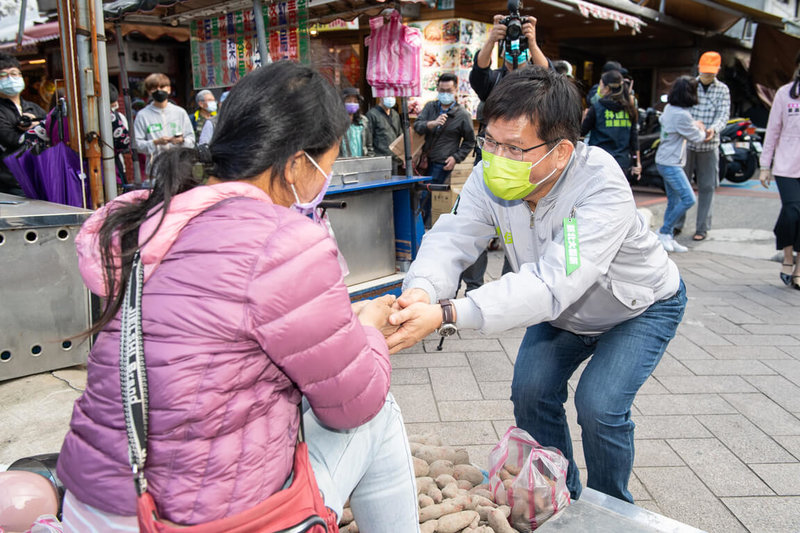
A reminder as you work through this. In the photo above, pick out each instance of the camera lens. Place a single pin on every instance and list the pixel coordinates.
(514, 30)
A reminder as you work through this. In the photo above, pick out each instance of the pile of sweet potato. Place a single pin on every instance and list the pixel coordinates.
(451, 493)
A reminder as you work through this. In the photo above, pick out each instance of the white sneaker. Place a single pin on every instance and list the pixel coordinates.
(678, 247)
(667, 242)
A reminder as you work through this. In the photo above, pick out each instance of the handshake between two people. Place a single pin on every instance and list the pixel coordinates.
(404, 321)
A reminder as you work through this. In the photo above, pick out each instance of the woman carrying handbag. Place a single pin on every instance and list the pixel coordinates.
(236, 310)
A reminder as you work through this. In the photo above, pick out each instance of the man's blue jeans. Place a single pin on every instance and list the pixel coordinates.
(624, 357)
(438, 175)
(680, 196)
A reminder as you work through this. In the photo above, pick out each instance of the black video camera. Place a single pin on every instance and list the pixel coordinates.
(24, 122)
(515, 42)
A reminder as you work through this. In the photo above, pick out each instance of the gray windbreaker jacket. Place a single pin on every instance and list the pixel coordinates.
(623, 267)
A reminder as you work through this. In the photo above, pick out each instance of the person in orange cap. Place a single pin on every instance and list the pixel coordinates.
(702, 159)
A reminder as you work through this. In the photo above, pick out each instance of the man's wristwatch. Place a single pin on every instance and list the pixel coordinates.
(448, 326)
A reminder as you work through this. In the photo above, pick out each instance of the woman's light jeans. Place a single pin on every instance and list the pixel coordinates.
(680, 196)
(371, 465)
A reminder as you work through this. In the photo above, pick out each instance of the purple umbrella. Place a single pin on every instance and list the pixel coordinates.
(58, 170)
(21, 164)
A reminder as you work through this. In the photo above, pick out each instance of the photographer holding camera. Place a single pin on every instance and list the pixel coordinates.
(16, 117)
(516, 36)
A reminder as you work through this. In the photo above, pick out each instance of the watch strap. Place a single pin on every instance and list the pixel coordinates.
(448, 312)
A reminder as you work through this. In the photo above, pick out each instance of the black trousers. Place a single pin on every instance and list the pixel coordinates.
(787, 228)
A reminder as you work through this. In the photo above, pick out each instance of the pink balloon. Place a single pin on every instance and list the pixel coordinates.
(24, 497)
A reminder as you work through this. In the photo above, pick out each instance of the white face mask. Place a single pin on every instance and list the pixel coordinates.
(211, 107)
(310, 208)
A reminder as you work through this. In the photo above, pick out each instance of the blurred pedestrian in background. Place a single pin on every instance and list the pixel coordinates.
(702, 158)
(677, 127)
(781, 160)
(612, 119)
(120, 132)
(206, 108)
(449, 137)
(357, 142)
(16, 117)
(385, 126)
(211, 123)
(594, 91)
(162, 124)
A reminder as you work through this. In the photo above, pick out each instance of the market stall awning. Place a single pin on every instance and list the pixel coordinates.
(180, 11)
(32, 37)
(588, 10)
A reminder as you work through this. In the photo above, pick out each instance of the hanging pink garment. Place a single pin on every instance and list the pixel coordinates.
(393, 59)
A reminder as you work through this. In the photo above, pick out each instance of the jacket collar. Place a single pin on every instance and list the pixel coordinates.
(566, 175)
(182, 209)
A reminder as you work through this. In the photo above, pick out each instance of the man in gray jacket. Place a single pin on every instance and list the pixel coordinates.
(589, 280)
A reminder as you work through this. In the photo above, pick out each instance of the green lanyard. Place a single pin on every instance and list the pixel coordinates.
(571, 249)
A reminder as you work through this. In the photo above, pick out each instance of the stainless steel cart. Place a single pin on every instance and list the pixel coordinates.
(43, 301)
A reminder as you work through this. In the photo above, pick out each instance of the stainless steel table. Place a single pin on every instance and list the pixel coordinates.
(598, 513)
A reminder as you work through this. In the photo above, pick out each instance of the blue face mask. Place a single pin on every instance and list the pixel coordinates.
(446, 98)
(389, 102)
(12, 86)
(521, 59)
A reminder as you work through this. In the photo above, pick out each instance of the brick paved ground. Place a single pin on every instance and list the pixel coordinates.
(718, 424)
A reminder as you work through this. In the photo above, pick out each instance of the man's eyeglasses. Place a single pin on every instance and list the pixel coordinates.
(513, 152)
(13, 73)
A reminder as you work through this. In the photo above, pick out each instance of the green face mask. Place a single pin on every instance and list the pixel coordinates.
(509, 179)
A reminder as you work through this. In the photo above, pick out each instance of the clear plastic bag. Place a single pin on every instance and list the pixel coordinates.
(528, 477)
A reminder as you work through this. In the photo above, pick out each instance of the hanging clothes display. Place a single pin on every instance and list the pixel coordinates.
(393, 62)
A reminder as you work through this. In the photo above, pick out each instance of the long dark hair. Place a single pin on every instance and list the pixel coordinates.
(619, 92)
(794, 92)
(271, 114)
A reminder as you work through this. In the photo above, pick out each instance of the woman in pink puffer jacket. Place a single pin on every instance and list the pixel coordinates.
(244, 312)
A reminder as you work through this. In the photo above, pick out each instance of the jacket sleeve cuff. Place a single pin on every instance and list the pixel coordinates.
(468, 316)
(425, 285)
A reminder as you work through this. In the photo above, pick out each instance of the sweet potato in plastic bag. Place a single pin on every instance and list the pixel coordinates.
(535, 484)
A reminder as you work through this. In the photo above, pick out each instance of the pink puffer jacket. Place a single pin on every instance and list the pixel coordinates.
(244, 310)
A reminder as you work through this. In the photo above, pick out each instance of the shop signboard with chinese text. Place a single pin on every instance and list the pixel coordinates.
(225, 48)
(288, 30)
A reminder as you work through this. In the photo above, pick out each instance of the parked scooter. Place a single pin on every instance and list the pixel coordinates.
(739, 150)
(649, 138)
